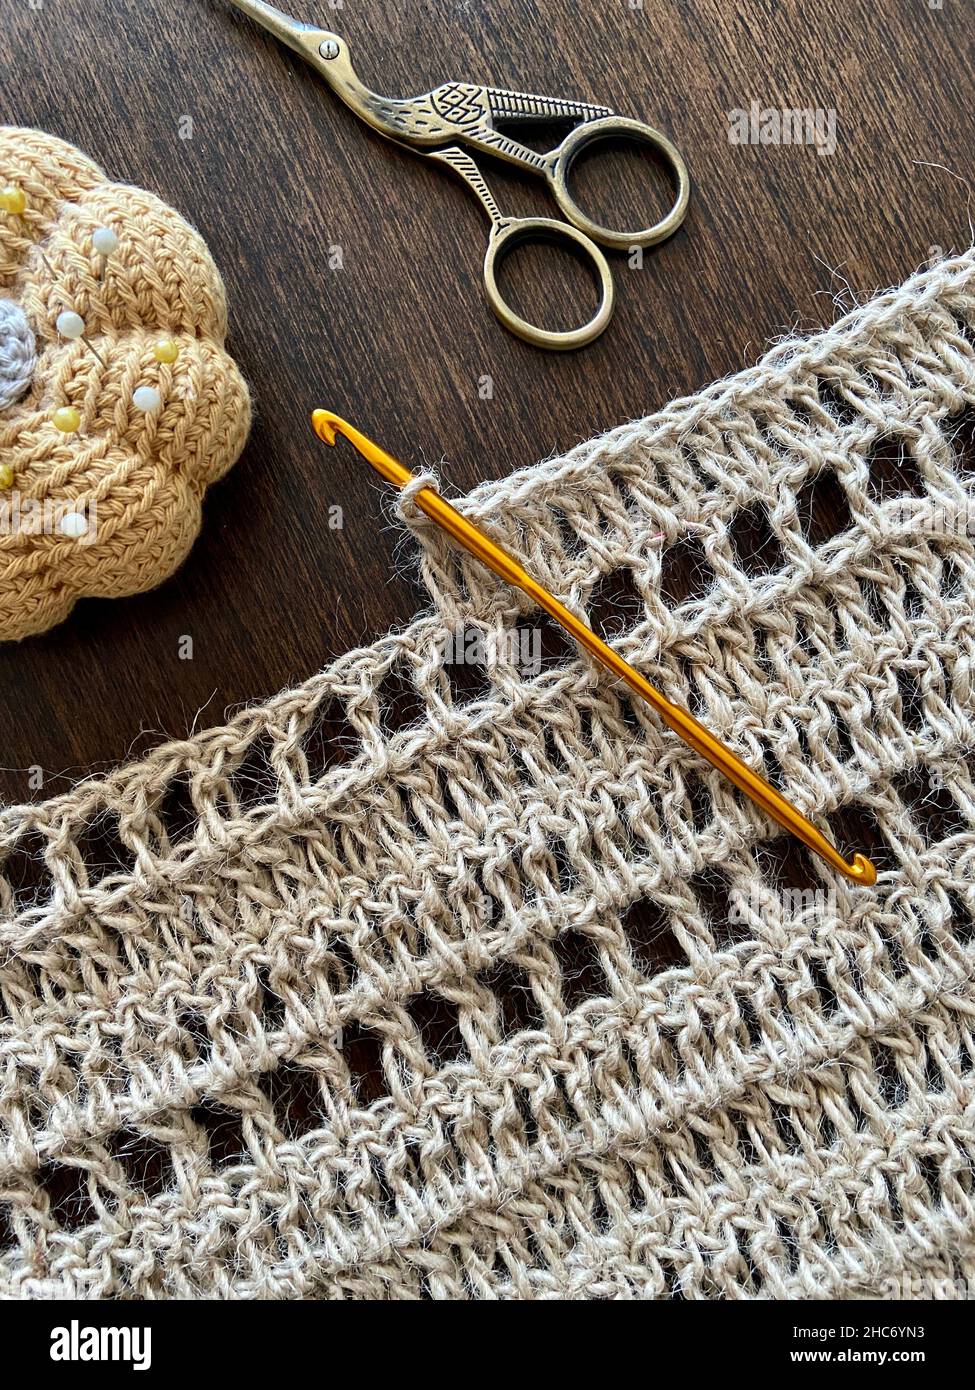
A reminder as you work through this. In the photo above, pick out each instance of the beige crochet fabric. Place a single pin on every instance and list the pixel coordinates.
(139, 477)
(398, 986)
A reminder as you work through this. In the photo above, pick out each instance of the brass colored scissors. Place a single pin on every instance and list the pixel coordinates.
(458, 114)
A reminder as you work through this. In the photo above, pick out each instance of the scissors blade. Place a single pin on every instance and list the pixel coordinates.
(290, 31)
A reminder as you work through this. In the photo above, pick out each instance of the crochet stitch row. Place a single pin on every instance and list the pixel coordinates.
(430, 980)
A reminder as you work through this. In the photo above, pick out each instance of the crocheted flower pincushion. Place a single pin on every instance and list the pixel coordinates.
(112, 506)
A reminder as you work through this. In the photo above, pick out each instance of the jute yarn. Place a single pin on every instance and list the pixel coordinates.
(420, 981)
(140, 477)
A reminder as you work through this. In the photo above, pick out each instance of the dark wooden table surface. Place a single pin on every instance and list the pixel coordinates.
(277, 172)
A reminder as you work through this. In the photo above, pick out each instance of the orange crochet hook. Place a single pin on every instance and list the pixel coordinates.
(694, 734)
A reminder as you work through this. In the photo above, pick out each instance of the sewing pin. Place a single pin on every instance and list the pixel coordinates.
(69, 324)
(694, 734)
(105, 243)
(13, 200)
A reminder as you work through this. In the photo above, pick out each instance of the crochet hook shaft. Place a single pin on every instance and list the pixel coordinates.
(472, 538)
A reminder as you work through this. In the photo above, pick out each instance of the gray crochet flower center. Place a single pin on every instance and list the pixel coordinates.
(18, 356)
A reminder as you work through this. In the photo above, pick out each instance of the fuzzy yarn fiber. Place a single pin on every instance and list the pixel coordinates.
(140, 476)
(408, 984)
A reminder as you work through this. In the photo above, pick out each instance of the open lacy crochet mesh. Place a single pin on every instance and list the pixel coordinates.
(422, 980)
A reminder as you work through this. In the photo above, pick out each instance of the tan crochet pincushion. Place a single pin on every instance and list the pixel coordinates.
(145, 473)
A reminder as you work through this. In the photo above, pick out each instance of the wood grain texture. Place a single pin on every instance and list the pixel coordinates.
(398, 339)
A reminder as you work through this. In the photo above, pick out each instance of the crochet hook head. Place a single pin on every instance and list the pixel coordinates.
(862, 871)
(328, 425)
(695, 735)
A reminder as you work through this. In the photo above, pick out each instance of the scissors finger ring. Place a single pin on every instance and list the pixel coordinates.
(511, 232)
(616, 128)
(458, 117)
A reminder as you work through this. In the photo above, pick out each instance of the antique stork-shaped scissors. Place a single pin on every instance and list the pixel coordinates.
(460, 116)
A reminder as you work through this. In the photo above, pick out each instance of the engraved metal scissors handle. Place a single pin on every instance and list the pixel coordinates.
(460, 116)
